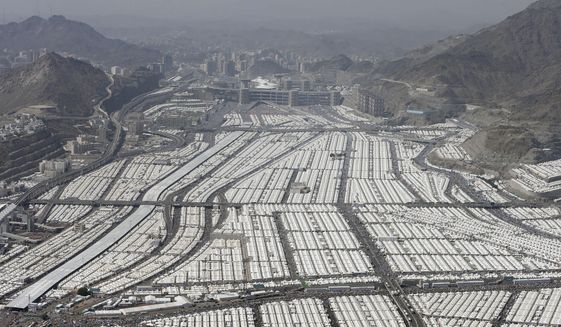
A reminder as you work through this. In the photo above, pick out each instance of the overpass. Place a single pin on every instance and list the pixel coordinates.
(44, 284)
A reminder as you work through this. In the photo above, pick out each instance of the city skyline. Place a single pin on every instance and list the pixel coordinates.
(455, 14)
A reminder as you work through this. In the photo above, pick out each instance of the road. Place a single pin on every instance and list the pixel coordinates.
(151, 199)
(361, 232)
(111, 150)
(107, 156)
(40, 287)
(409, 86)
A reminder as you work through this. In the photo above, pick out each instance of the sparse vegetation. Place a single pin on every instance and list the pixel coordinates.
(83, 291)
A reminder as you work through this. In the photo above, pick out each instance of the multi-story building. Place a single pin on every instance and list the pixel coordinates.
(157, 67)
(242, 65)
(135, 124)
(55, 167)
(21, 126)
(77, 147)
(82, 144)
(167, 62)
(370, 103)
(302, 85)
(210, 67)
(116, 70)
(291, 98)
(228, 68)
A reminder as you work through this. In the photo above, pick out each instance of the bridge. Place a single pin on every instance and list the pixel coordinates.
(43, 285)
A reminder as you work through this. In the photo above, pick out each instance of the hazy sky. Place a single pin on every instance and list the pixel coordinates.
(439, 13)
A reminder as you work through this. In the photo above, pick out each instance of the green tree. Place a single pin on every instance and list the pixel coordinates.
(83, 291)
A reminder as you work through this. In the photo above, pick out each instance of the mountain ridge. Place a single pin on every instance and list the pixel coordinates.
(80, 39)
(509, 70)
(340, 62)
(512, 63)
(71, 85)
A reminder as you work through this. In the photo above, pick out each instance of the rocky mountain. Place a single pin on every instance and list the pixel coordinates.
(361, 67)
(265, 68)
(71, 85)
(62, 35)
(128, 87)
(511, 70)
(340, 62)
(544, 4)
(421, 55)
(514, 64)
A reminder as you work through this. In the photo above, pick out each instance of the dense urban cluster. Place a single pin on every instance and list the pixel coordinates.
(223, 200)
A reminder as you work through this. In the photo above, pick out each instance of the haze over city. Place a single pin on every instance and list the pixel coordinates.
(251, 163)
(453, 14)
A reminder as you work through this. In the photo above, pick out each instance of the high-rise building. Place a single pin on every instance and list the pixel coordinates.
(156, 67)
(210, 67)
(167, 62)
(242, 65)
(135, 124)
(102, 133)
(303, 67)
(229, 68)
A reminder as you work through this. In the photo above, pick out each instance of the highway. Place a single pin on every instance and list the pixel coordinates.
(218, 194)
(380, 265)
(107, 156)
(390, 283)
(47, 282)
(111, 150)
(480, 205)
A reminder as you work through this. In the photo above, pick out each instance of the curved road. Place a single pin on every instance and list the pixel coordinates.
(45, 283)
(109, 153)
